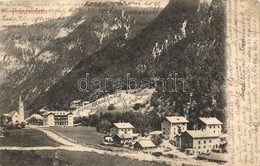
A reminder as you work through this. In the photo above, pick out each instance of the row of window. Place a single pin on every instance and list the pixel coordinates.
(125, 129)
(214, 146)
(214, 127)
(205, 141)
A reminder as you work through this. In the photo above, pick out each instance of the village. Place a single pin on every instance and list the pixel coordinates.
(205, 141)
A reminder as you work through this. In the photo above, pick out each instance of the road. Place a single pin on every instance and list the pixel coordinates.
(71, 146)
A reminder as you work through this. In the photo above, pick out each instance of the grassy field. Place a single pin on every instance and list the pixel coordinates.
(84, 135)
(44, 158)
(27, 138)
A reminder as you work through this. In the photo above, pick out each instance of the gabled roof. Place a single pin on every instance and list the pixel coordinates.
(176, 119)
(201, 134)
(10, 114)
(36, 116)
(210, 121)
(146, 144)
(57, 113)
(123, 125)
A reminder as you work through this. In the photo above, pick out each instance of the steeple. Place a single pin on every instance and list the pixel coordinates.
(21, 109)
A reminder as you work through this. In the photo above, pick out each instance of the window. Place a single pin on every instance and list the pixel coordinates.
(204, 147)
(198, 147)
(210, 127)
(198, 142)
(218, 126)
(205, 141)
(214, 127)
(210, 141)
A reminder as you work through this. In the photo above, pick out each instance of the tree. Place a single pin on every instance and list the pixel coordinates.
(111, 107)
(104, 126)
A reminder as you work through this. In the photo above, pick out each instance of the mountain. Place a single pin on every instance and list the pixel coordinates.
(35, 57)
(187, 38)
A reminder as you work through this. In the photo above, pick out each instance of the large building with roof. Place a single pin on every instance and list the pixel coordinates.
(144, 144)
(210, 124)
(51, 118)
(121, 129)
(58, 118)
(36, 120)
(11, 117)
(173, 125)
(198, 141)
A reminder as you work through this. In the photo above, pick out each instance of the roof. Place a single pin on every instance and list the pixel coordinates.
(10, 114)
(210, 120)
(177, 119)
(123, 125)
(218, 157)
(201, 134)
(146, 144)
(155, 132)
(36, 116)
(57, 113)
(76, 101)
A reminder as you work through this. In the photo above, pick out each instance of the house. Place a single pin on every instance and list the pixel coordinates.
(124, 139)
(121, 128)
(14, 116)
(211, 124)
(36, 120)
(58, 118)
(11, 117)
(173, 125)
(108, 140)
(198, 141)
(144, 144)
(76, 104)
(218, 158)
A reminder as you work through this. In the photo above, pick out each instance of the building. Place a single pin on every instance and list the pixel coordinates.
(144, 145)
(36, 120)
(121, 129)
(14, 116)
(58, 118)
(125, 139)
(211, 124)
(11, 117)
(198, 141)
(173, 125)
(76, 104)
(21, 109)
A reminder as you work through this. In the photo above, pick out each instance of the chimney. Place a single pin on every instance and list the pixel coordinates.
(21, 109)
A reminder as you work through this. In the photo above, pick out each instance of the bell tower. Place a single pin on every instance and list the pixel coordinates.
(21, 109)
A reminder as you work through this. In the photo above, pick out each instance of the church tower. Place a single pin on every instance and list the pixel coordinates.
(21, 109)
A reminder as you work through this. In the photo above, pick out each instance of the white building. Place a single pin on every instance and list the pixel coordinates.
(210, 124)
(14, 116)
(58, 118)
(173, 125)
(11, 117)
(121, 129)
(198, 141)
